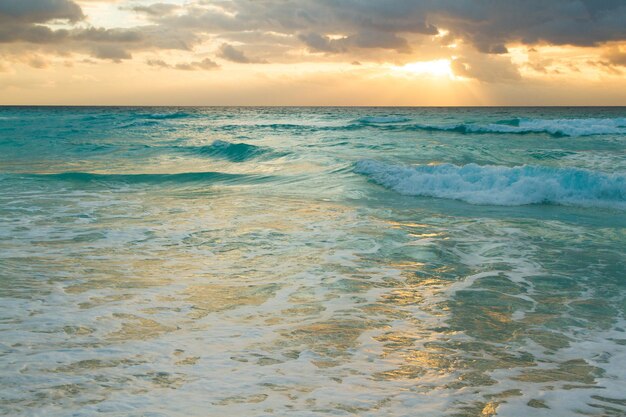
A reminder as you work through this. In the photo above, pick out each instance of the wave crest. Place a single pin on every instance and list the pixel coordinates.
(233, 152)
(500, 185)
(554, 127)
(177, 178)
(382, 119)
(165, 116)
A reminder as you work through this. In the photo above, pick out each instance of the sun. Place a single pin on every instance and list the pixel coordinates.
(439, 68)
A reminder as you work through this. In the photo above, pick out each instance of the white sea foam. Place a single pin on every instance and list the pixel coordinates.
(500, 185)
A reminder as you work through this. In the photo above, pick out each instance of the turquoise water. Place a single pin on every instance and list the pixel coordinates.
(312, 261)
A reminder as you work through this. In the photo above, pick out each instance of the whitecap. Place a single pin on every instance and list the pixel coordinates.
(501, 185)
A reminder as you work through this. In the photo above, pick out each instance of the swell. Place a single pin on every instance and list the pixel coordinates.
(178, 178)
(501, 185)
(140, 120)
(382, 119)
(519, 126)
(553, 127)
(233, 152)
(165, 116)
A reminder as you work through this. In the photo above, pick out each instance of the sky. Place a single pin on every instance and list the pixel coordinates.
(313, 52)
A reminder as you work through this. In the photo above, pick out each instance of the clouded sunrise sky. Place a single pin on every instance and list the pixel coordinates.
(313, 52)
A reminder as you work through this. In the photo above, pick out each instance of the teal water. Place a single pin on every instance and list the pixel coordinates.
(312, 261)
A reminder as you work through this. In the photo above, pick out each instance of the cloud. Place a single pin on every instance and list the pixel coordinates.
(205, 64)
(486, 68)
(492, 25)
(113, 52)
(349, 30)
(157, 63)
(342, 26)
(106, 35)
(23, 21)
(26, 21)
(615, 56)
(488, 25)
(38, 62)
(156, 9)
(321, 43)
(20, 20)
(230, 53)
(39, 11)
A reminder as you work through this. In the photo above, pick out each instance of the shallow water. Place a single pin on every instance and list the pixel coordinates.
(312, 261)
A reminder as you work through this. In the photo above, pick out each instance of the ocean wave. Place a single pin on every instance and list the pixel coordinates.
(234, 152)
(164, 116)
(138, 123)
(554, 127)
(550, 154)
(501, 185)
(182, 177)
(382, 119)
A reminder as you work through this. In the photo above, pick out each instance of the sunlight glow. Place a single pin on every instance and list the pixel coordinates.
(436, 68)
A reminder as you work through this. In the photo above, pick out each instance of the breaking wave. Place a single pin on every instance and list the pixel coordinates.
(501, 185)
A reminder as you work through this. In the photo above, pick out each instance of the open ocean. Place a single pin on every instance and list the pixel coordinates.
(312, 261)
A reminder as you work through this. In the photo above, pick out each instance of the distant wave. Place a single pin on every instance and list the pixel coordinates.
(138, 123)
(500, 185)
(234, 152)
(183, 177)
(383, 119)
(554, 127)
(145, 119)
(163, 116)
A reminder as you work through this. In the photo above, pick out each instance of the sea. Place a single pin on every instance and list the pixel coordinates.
(314, 261)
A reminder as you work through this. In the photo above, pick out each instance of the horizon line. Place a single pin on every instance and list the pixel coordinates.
(312, 106)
